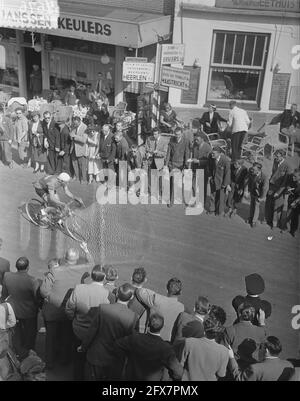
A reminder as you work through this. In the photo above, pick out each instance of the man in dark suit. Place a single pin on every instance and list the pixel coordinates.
(239, 334)
(106, 147)
(184, 326)
(258, 188)
(56, 289)
(211, 120)
(271, 369)
(255, 286)
(63, 148)
(148, 355)
(219, 173)
(21, 289)
(6, 139)
(278, 184)
(84, 297)
(4, 265)
(138, 280)
(110, 323)
(51, 132)
(239, 179)
(177, 158)
(288, 118)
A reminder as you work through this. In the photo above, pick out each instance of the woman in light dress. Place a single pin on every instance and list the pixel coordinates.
(93, 151)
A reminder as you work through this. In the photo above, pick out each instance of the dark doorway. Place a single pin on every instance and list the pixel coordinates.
(31, 57)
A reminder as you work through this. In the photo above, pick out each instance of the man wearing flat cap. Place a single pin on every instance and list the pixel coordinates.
(220, 179)
(255, 286)
(277, 189)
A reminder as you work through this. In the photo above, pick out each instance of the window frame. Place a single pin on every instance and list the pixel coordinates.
(251, 104)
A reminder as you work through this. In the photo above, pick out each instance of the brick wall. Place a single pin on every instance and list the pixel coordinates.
(152, 6)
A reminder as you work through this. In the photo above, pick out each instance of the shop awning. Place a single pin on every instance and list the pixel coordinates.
(29, 14)
(112, 25)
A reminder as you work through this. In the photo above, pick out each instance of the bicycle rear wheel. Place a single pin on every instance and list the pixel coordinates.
(77, 228)
(33, 208)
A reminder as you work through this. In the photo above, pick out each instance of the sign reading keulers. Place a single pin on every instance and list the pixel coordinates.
(270, 5)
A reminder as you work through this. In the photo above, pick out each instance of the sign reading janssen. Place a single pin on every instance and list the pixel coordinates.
(29, 14)
(175, 78)
(138, 72)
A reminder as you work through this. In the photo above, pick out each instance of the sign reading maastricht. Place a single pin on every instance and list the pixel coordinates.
(29, 14)
(270, 5)
(175, 78)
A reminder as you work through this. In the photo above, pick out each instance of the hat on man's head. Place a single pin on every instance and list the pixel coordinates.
(72, 255)
(218, 149)
(280, 152)
(255, 284)
(213, 106)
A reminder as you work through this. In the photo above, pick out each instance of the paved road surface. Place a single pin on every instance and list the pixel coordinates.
(210, 255)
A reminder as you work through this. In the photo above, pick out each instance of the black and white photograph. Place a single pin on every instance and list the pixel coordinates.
(149, 193)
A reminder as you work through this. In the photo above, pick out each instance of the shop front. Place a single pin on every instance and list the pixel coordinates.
(86, 40)
(244, 54)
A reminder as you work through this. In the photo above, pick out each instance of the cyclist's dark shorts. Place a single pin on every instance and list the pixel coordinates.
(41, 192)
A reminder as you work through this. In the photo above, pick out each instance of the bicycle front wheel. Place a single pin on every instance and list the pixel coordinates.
(33, 208)
(77, 228)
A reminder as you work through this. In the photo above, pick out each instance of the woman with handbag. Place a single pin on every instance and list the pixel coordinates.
(36, 140)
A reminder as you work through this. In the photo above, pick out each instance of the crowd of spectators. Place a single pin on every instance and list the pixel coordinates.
(83, 147)
(108, 331)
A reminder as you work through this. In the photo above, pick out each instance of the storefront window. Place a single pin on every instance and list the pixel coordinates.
(9, 80)
(78, 62)
(237, 68)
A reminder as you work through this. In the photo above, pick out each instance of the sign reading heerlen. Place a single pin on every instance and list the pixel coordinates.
(138, 72)
(175, 78)
(172, 54)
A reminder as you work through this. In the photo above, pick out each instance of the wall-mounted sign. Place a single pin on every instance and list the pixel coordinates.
(269, 5)
(172, 54)
(29, 14)
(136, 59)
(138, 72)
(279, 91)
(175, 78)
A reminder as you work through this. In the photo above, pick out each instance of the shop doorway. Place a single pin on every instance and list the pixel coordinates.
(34, 87)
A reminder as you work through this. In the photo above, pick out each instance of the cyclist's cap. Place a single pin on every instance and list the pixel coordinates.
(64, 177)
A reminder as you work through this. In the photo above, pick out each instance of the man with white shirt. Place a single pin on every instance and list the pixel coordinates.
(239, 123)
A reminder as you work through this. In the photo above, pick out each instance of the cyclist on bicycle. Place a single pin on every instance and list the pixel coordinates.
(47, 188)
